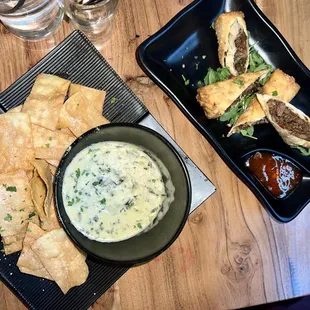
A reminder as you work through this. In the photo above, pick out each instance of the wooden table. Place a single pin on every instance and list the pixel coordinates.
(231, 253)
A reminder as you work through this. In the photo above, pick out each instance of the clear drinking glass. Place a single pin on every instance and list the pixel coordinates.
(34, 19)
(93, 17)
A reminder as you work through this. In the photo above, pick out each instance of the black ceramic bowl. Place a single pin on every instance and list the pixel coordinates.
(148, 245)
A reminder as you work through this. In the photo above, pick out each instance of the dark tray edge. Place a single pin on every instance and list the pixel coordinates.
(224, 156)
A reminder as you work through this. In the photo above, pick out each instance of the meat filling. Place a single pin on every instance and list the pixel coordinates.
(241, 54)
(288, 120)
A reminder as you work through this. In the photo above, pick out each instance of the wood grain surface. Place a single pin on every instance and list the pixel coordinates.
(231, 254)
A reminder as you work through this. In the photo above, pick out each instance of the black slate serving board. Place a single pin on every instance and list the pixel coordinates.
(78, 60)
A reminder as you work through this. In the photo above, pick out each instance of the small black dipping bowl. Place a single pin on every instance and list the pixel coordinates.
(145, 246)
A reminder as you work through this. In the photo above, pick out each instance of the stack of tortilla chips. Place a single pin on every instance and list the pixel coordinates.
(33, 138)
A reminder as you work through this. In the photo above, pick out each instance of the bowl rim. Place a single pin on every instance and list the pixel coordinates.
(58, 197)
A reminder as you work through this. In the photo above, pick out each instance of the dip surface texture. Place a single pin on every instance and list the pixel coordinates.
(112, 191)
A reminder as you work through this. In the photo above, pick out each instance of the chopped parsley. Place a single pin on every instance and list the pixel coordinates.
(234, 112)
(1, 229)
(248, 132)
(274, 93)
(81, 209)
(50, 138)
(71, 202)
(11, 189)
(103, 201)
(29, 230)
(32, 214)
(26, 189)
(113, 100)
(139, 225)
(21, 210)
(77, 199)
(304, 151)
(238, 81)
(8, 218)
(77, 173)
(47, 145)
(186, 81)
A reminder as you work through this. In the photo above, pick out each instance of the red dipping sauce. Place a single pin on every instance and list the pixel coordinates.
(280, 176)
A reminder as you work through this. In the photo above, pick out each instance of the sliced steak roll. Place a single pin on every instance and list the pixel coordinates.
(232, 38)
(292, 124)
(217, 98)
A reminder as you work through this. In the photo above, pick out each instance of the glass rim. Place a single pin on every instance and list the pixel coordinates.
(89, 6)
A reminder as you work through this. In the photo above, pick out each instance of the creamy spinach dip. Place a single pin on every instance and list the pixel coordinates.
(113, 191)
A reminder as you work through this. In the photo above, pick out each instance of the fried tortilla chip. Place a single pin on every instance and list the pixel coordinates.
(50, 144)
(51, 222)
(63, 261)
(94, 96)
(16, 109)
(16, 144)
(28, 261)
(46, 99)
(16, 209)
(42, 168)
(79, 115)
(38, 193)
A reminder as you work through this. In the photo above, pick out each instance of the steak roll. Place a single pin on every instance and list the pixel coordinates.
(217, 98)
(281, 86)
(292, 124)
(233, 43)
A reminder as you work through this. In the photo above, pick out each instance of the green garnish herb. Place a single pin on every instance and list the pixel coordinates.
(103, 201)
(239, 82)
(32, 214)
(257, 63)
(248, 132)
(274, 93)
(11, 189)
(29, 230)
(50, 138)
(139, 225)
(77, 199)
(26, 189)
(70, 203)
(8, 218)
(234, 112)
(77, 173)
(186, 82)
(304, 151)
(153, 180)
(47, 145)
(113, 100)
(81, 209)
(199, 84)
(2, 230)
(214, 76)
(21, 210)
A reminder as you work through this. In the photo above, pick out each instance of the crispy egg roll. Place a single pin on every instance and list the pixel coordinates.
(216, 98)
(232, 36)
(281, 85)
(291, 123)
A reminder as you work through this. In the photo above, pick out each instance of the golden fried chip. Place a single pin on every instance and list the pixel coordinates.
(50, 144)
(94, 96)
(63, 261)
(51, 222)
(16, 144)
(53, 162)
(45, 100)
(53, 169)
(16, 207)
(42, 168)
(13, 243)
(38, 193)
(16, 109)
(79, 115)
(28, 261)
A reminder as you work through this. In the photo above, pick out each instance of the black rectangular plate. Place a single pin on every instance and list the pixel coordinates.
(78, 60)
(172, 52)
